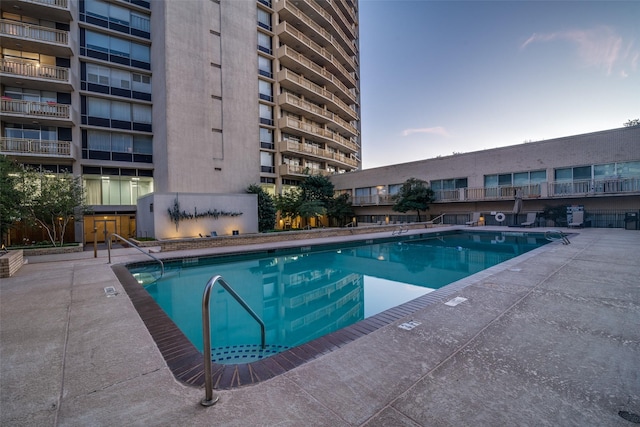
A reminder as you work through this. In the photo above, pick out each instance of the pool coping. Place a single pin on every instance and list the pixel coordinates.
(186, 362)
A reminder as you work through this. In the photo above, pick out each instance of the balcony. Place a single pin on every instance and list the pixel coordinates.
(34, 38)
(292, 103)
(35, 148)
(297, 170)
(598, 187)
(30, 110)
(316, 133)
(317, 153)
(296, 83)
(310, 49)
(322, 18)
(53, 10)
(16, 71)
(288, 12)
(372, 199)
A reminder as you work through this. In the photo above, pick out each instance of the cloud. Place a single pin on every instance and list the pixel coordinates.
(438, 130)
(598, 47)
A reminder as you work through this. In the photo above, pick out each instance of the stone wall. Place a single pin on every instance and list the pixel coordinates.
(11, 262)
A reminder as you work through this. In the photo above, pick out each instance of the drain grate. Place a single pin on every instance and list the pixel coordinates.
(629, 416)
(244, 353)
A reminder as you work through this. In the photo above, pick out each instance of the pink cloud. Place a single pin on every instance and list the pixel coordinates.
(598, 47)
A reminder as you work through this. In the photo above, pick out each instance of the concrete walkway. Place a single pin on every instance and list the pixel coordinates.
(551, 338)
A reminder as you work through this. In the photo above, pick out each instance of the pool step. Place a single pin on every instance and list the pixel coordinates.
(244, 353)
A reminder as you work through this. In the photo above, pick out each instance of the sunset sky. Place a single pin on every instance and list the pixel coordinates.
(439, 77)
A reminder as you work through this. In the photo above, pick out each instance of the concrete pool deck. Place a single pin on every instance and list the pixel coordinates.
(548, 338)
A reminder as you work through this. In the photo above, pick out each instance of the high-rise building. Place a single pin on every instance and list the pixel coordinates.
(198, 96)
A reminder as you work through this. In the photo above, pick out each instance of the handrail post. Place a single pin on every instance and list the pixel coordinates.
(209, 398)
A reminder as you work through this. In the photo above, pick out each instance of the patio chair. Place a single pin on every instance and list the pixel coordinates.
(577, 220)
(531, 220)
(474, 220)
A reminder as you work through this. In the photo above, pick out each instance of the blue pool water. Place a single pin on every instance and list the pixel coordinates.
(304, 293)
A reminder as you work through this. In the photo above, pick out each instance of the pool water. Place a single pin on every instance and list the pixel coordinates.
(306, 293)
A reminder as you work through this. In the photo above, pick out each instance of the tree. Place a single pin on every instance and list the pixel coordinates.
(414, 195)
(634, 122)
(340, 209)
(11, 198)
(289, 202)
(317, 187)
(52, 201)
(266, 208)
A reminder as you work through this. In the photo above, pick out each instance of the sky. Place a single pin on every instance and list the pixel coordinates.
(445, 77)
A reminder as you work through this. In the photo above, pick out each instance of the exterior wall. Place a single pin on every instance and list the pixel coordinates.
(205, 99)
(154, 221)
(611, 146)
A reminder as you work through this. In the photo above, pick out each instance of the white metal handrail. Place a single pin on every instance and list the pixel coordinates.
(135, 246)
(210, 398)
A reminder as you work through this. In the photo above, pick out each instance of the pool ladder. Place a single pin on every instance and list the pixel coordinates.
(555, 235)
(135, 246)
(210, 398)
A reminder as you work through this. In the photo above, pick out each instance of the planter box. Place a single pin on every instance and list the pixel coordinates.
(11, 262)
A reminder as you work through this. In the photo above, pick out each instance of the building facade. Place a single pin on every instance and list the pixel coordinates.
(598, 172)
(199, 96)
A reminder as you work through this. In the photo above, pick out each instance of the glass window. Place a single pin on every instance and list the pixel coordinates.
(121, 111)
(121, 143)
(601, 171)
(97, 74)
(97, 41)
(394, 188)
(504, 179)
(119, 47)
(266, 159)
(141, 83)
(142, 144)
(141, 113)
(119, 14)
(629, 170)
(537, 177)
(120, 79)
(461, 183)
(97, 8)
(98, 107)
(98, 141)
(266, 113)
(264, 66)
(583, 172)
(564, 174)
(521, 178)
(490, 181)
(264, 19)
(140, 22)
(140, 52)
(264, 42)
(265, 90)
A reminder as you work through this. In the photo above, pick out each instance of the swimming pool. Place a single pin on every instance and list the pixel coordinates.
(305, 293)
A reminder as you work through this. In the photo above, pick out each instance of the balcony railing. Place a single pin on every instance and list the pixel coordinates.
(57, 3)
(551, 190)
(321, 153)
(35, 109)
(34, 32)
(301, 170)
(331, 41)
(26, 68)
(317, 132)
(303, 39)
(594, 187)
(288, 75)
(330, 79)
(308, 107)
(34, 147)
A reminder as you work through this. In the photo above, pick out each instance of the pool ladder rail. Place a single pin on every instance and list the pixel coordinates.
(555, 235)
(211, 398)
(110, 239)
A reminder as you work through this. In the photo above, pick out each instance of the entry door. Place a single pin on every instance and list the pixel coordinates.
(104, 228)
